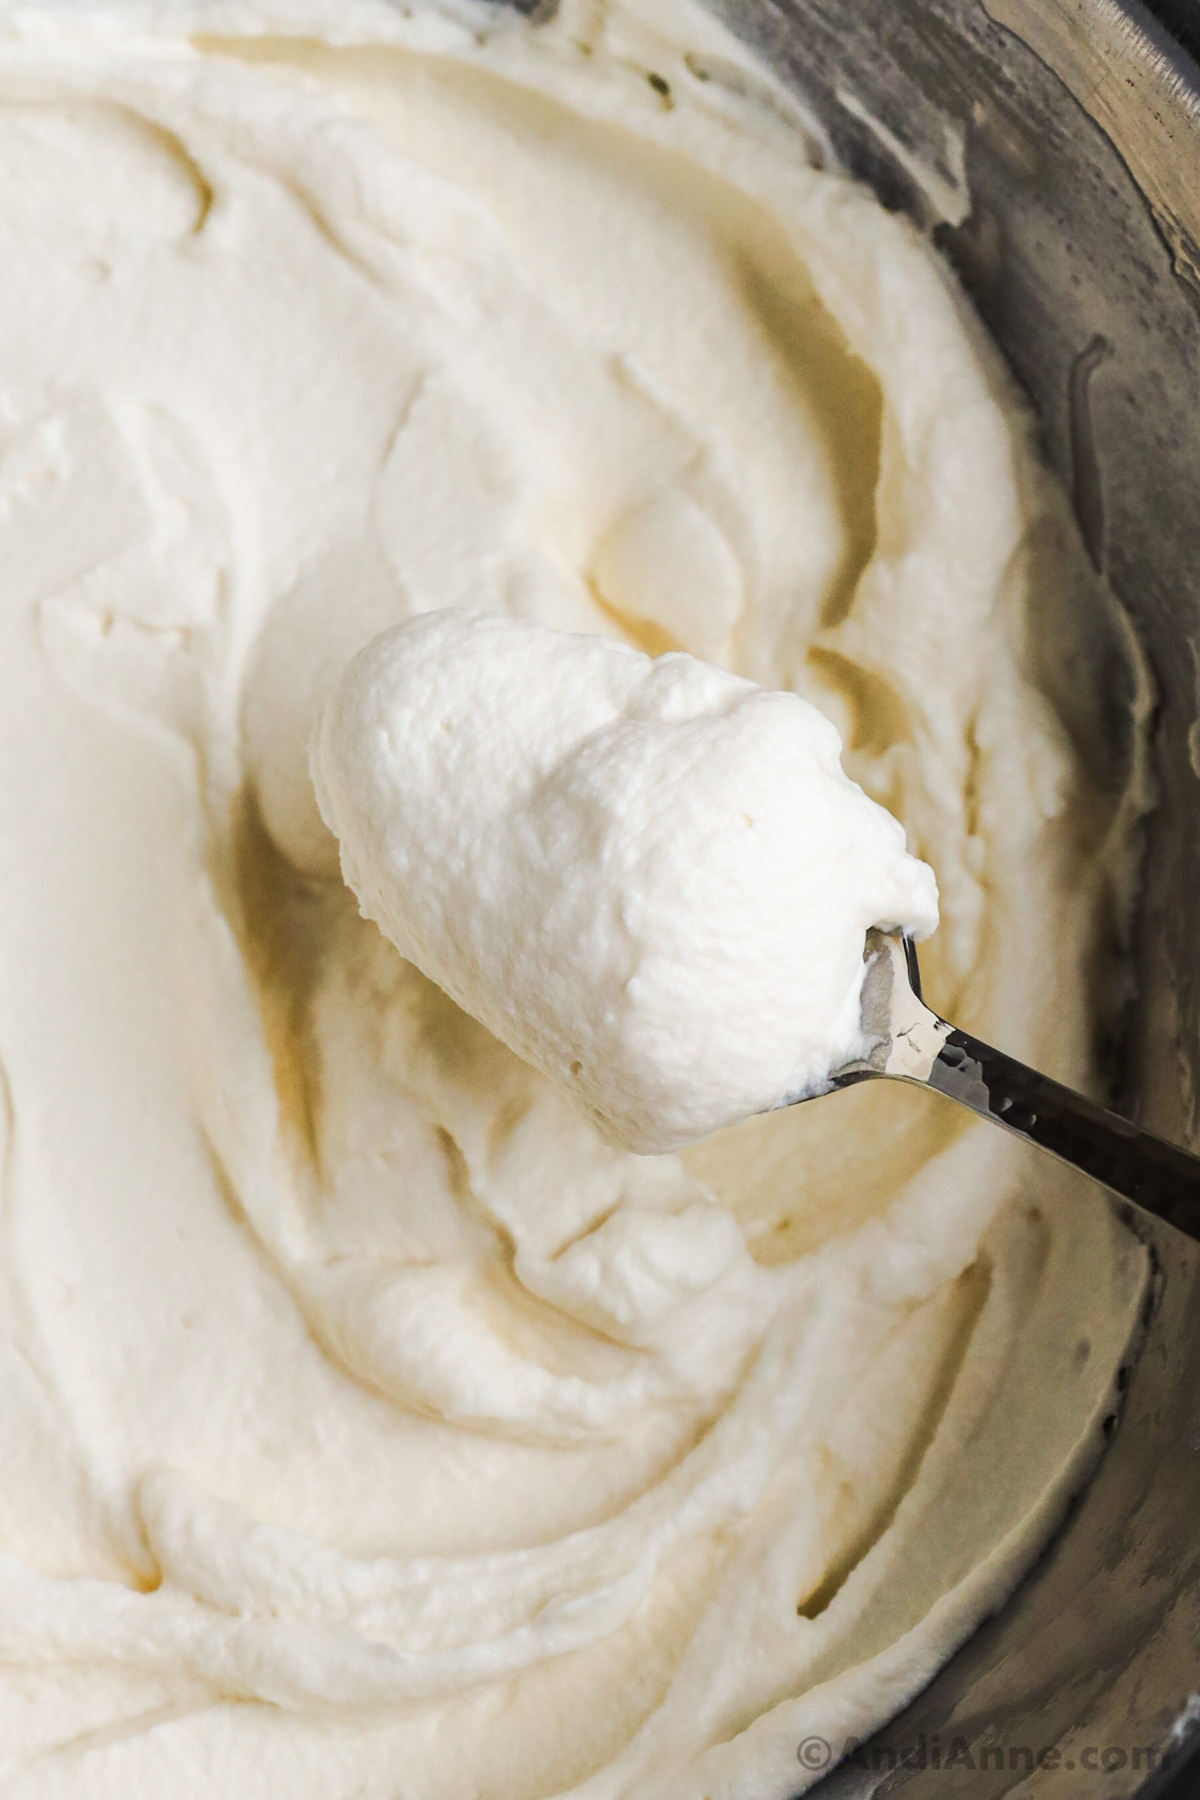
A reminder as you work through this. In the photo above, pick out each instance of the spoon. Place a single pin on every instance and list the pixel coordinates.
(909, 1042)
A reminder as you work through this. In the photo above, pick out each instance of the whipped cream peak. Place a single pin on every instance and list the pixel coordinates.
(649, 877)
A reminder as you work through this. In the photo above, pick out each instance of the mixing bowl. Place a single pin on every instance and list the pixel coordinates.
(1052, 148)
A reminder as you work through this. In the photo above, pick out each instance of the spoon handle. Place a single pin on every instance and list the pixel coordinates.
(1134, 1163)
(907, 1041)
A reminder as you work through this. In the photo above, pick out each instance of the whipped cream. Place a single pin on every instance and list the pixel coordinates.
(363, 1411)
(651, 879)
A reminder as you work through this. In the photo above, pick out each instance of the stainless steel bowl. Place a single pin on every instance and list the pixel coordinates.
(1078, 125)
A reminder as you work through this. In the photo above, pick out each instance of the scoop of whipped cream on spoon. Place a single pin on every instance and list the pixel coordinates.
(653, 880)
(648, 877)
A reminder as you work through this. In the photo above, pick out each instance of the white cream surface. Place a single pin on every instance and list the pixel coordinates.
(652, 879)
(370, 1427)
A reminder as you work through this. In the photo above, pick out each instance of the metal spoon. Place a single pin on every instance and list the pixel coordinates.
(908, 1042)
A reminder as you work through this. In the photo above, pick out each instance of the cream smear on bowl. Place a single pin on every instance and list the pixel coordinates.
(370, 1425)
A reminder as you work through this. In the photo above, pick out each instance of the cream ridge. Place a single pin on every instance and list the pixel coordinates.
(370, 1426)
